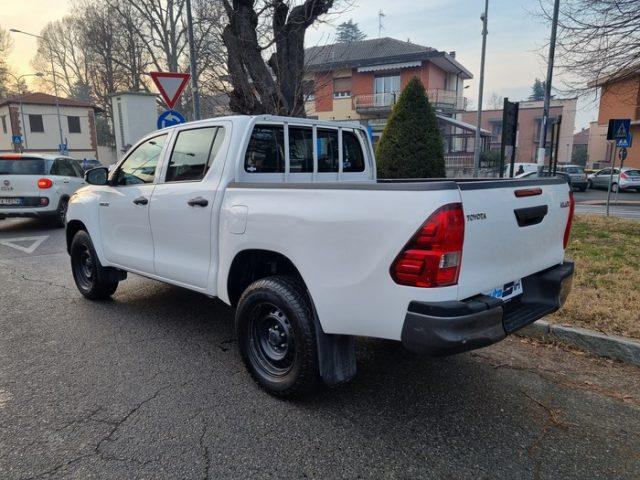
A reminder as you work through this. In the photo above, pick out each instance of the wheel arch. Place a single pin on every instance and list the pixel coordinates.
(253, 264)
(73, 227)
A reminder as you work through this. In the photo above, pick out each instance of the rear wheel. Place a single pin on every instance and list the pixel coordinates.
(614, 187)
(92, 279)
(60, 218)
(276, 336)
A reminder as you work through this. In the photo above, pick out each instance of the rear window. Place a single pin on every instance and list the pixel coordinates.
(633, 173)
(265, 153)
(22, 166)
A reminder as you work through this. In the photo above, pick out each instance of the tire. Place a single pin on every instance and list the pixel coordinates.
(59, 220)
(614, 187)
(583, 189)
(91, 278)
(276, 336)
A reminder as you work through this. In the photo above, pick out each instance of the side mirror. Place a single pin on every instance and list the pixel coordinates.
(97, 176)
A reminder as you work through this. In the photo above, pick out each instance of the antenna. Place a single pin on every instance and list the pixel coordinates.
(381, 15)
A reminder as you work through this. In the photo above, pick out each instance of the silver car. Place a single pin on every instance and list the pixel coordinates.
(628, 179)
(577, 175)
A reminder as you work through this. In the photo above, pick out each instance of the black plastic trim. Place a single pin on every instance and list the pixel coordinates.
(416, 186)
(508, 183)
(447, 328)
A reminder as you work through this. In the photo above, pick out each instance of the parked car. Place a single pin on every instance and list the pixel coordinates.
(284, 219)
(89, 163)
(38, 186)
(628, 179)
(577, 175)
(518, 166)
(547, 174)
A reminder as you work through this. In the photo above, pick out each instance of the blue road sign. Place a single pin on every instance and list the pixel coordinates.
(169, 118)
(16, 139)
(620, 131)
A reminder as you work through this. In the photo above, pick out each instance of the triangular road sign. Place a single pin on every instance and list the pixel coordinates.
(33, 243)
(622, 131)
(170, 85)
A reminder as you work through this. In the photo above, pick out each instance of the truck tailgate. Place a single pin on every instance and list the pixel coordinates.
(508, 237)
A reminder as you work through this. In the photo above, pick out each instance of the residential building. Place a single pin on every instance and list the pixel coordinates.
(362, 81)
(579, 156)
(529, 124)
(619, 98)
(34, 118)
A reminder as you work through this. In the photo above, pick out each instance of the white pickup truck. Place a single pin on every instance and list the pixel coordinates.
(283, 218)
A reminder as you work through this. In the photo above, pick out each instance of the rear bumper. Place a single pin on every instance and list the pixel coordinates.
(44, 212)
(447, 328)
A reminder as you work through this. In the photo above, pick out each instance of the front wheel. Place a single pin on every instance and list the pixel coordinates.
(276, 336)
(92, 279)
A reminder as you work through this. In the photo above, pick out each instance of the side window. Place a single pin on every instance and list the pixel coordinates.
(193, 153)
(300, 150)
(79, 172)
(606, 171)
(140, 165)
(62, 168)
(265, 153)
(327, 146)
(352, 155)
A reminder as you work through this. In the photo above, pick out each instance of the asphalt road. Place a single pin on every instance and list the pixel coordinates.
(149, 385)
(630, 209)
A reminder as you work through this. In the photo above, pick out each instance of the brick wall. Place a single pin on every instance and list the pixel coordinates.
(620, 100)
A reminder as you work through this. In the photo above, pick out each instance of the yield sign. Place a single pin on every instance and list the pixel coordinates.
(30, 247)
(170, 85)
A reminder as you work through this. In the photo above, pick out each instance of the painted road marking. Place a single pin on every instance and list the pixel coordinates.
(35, 242)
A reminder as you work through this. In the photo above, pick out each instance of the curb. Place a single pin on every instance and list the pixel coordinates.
(609, 346)
(616, 203)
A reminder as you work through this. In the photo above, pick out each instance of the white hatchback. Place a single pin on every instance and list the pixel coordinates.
(38, 186)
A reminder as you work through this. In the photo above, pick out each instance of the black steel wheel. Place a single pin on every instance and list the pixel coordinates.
(276, 336)
(59, 220)
(90, 277)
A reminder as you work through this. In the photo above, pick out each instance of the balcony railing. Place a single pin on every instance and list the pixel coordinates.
(443, 100)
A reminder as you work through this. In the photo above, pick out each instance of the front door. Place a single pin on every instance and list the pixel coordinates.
(124, 208)
(182, 206)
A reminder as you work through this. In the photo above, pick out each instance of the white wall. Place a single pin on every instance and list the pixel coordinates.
(79, 144)
(134, 115)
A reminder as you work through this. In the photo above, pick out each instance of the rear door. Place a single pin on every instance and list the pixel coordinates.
(19, 177)
(182, 207)
(508, 237)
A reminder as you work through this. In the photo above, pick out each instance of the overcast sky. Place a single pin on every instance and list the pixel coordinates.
(515, 42)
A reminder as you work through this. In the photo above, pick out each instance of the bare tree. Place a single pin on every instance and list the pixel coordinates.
(496, 102)
(275, 85)
(596, 39)
(5, 47)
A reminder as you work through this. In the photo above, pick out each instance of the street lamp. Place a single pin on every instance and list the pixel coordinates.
(53, 73)
(20, 94)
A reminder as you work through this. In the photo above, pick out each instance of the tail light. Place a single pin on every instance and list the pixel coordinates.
(624, 176)
(567, 230)
(433, 256)
(45, 183)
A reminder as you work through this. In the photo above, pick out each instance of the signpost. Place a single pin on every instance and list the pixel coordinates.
(169, 118)
(17, 143)
(619, 131)
(509, 135)
(170, 85)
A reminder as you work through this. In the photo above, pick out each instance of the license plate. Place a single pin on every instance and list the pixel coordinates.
(506, 291)
(10, 201)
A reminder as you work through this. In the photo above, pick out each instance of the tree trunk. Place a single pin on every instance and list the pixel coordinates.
(273, 87)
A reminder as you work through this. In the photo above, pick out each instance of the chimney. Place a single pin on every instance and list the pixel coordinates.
(452, 54)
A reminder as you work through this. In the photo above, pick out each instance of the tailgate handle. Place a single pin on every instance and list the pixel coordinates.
(530, 215)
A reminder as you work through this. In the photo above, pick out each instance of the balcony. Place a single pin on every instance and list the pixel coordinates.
(442, 100)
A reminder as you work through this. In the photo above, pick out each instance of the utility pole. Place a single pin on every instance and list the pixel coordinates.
(542, 143)
(195, 94)
(477, 146)
(53, 73)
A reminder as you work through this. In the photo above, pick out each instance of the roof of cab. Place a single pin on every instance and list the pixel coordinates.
(252, 119)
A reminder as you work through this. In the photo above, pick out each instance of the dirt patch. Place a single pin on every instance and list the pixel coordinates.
(606, 285)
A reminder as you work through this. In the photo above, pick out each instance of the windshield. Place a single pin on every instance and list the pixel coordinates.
(22, 166)
(573, 169)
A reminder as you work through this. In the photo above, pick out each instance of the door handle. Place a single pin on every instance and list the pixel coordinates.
(198, 201)
(141, 201)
